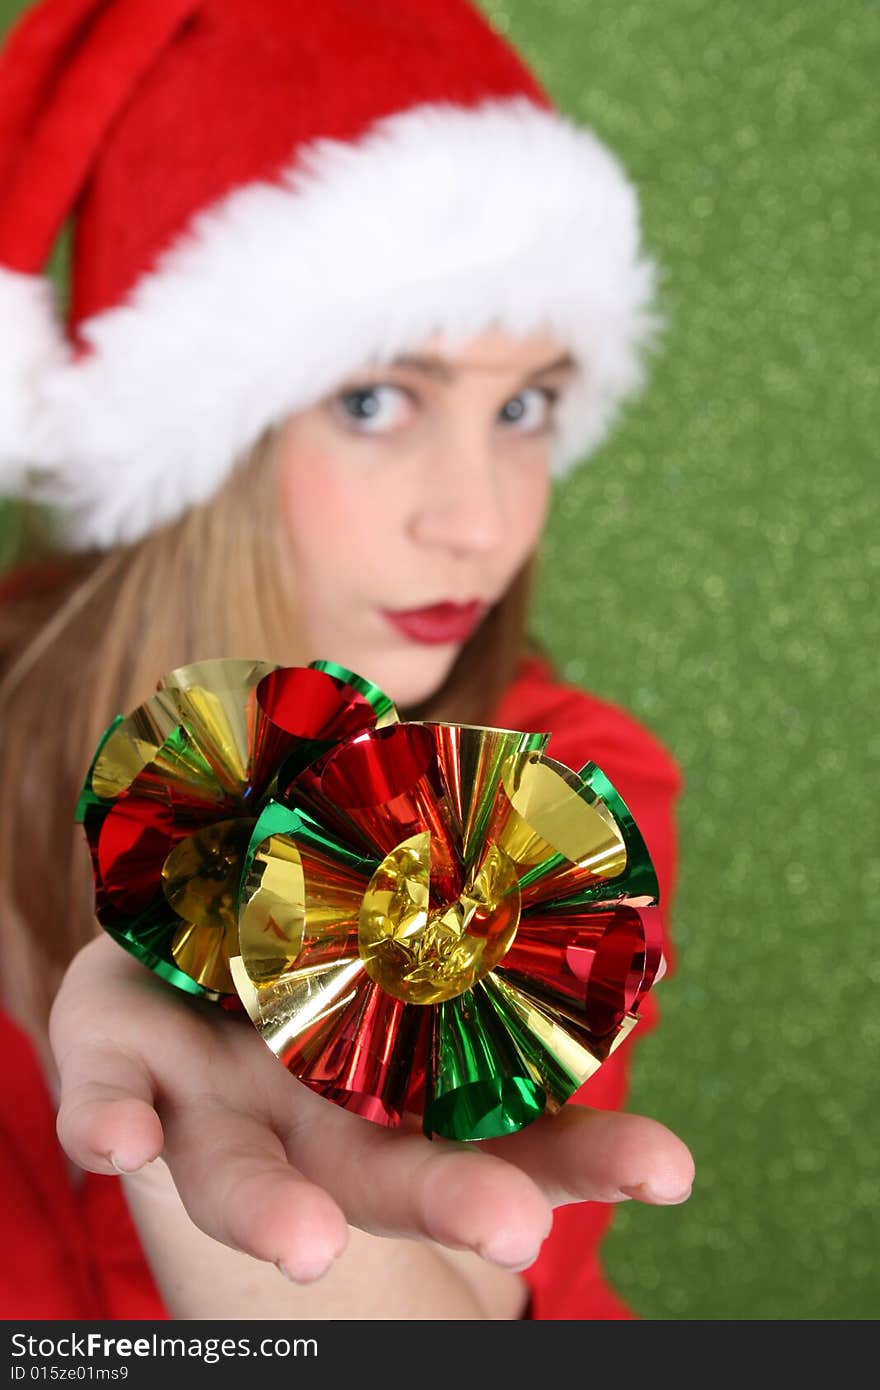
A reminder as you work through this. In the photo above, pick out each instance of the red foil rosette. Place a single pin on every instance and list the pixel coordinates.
(423, 917)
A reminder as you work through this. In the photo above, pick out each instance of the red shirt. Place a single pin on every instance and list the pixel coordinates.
(71, 1251)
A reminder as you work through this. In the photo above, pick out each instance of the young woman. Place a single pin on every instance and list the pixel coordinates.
(346, 292)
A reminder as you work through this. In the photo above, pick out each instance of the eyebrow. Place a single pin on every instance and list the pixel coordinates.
(439, 368)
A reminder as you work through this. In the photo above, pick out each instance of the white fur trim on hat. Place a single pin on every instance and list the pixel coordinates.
(31, 345)
(439, 219)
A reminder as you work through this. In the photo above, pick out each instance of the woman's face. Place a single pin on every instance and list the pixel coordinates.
(411, 497)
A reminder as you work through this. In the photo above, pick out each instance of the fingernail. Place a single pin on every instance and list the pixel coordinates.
(657, 1197)
(308, 1274)
(497, 1255)
(120, 1168)
(519, 1267)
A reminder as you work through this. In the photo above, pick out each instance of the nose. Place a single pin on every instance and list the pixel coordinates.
(459, 502)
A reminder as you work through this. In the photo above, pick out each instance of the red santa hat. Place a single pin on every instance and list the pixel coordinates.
(266, 194)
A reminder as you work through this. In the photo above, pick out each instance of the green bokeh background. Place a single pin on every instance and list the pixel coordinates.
(713, 570)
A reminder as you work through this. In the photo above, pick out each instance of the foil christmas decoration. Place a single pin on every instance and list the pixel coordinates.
(426, 917)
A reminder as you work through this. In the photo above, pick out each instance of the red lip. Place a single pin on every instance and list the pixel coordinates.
(441, 622)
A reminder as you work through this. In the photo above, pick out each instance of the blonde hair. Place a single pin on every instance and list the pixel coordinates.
(94, 646)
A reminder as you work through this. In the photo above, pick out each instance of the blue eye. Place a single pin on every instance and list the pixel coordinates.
(531, 411)
(372, 409)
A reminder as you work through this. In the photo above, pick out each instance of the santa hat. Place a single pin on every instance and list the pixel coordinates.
(265, 195)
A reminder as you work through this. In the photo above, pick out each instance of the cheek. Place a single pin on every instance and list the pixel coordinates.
(527, 510)
(328, 512)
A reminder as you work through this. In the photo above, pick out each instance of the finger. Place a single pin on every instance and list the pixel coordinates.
(234, 1178)
(106, 1118)
(393, 1183)
(601, 1156)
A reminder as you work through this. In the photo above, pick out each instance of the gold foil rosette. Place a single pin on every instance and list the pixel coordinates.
(417, 917)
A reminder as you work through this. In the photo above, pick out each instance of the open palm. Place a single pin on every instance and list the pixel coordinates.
(268, 1167)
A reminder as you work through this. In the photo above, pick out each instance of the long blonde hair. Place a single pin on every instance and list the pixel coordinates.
(94, 646)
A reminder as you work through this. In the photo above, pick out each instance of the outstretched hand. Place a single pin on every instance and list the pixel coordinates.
(266, 1166)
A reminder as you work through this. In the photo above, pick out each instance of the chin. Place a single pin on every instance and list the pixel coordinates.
(410, 676)
(408, 672)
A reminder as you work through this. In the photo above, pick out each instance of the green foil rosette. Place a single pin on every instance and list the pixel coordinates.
(430, 918)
